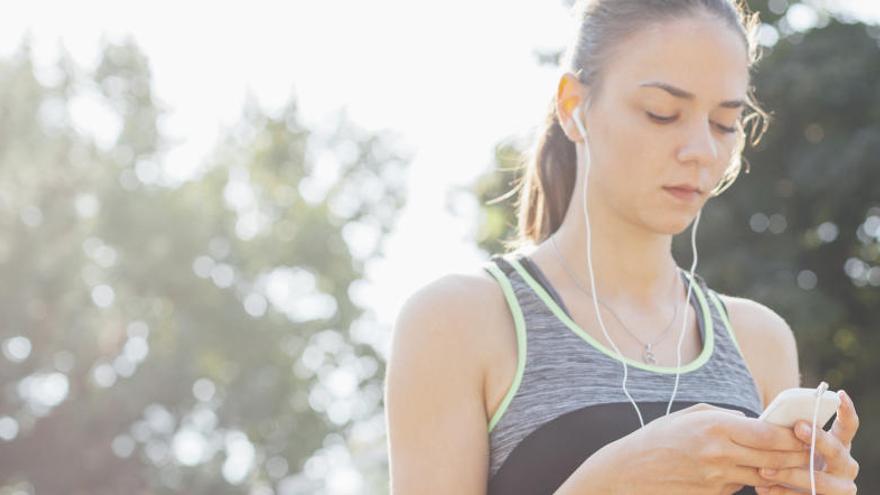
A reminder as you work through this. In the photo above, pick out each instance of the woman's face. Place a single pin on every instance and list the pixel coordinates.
(670, 97)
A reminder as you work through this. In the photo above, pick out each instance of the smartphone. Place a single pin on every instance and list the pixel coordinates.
(795, 404)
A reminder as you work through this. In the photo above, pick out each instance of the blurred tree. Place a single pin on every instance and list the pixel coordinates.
(203, 337)
(801, 231)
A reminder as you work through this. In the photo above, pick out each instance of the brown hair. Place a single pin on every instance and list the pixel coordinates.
(547, 184)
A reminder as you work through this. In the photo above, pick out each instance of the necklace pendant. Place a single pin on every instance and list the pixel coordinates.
(648, 356)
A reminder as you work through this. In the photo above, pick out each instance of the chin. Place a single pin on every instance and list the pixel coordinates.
(674, 224)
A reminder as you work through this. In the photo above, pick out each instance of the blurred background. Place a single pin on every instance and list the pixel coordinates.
(211, 214)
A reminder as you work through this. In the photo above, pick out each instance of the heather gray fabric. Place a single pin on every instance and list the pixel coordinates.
(569, 383)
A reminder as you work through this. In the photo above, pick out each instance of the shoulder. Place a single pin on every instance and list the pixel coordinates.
(768, 325)
(448, 317)
(452, 298)
(435, 373)
(767, 342)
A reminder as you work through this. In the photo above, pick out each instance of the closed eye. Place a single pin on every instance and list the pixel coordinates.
(665, 120)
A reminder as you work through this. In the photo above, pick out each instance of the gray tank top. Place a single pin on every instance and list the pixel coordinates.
(566, 400)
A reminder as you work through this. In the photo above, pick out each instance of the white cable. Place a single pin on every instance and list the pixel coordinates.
(819, 391)
(687, 308)
(583, 132)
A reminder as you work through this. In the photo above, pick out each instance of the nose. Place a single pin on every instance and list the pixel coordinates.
(700, 145)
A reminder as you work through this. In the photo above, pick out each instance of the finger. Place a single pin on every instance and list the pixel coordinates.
(836, 456)
(778, 490)
(847, 421)
(698, 407)
(799, 478)
(702, 406)
(749, 476)
(775, 459)
(759, 434)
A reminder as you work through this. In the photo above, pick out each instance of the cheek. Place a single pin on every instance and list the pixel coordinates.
(630, 142)
(629, 162)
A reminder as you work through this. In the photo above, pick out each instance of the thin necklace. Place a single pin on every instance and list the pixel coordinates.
(647, 354)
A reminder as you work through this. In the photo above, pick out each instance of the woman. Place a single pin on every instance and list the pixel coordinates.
(505, 381)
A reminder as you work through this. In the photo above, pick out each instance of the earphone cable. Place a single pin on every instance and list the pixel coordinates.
(819, 391)
(593, 281)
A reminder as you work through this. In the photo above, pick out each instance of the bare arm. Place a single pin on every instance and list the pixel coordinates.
(768, 345)
(436, 421)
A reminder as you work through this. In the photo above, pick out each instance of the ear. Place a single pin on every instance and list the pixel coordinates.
(571, 93)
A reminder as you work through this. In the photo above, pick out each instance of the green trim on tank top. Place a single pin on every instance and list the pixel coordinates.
(714, 297)
(724, 317)
(519, 323)
(708, 346)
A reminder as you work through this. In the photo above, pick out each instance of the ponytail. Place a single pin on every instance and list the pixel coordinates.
(548, 183)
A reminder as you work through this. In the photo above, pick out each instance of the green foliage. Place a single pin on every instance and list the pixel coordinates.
(497, 192)
(170, 338)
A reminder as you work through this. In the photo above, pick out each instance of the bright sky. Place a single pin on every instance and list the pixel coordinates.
(452, 79)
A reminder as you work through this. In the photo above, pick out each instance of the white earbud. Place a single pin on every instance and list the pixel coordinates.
(587, 163)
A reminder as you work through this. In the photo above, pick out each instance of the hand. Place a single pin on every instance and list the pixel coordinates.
(838, 470)
(700, 450)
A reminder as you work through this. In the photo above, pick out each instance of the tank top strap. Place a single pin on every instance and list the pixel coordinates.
(503, 273)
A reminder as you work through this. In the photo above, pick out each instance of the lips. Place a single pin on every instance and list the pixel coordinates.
(685, 188)
(684, 193)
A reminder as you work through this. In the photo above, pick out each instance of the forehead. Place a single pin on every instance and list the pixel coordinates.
(701, 55)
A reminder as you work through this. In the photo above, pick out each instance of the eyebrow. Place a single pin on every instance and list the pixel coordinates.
(680, 93)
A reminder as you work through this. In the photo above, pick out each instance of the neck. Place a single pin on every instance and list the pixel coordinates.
(632, 271)
(633, 267)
